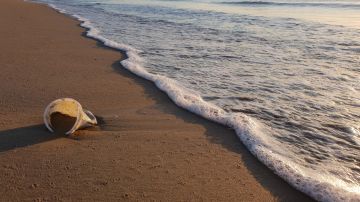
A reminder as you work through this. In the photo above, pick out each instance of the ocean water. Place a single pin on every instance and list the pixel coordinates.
(284, 74)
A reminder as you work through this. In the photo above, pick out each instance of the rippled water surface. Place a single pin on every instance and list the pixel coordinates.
(293, 66)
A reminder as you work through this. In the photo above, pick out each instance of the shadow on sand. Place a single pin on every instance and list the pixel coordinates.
(24, 136)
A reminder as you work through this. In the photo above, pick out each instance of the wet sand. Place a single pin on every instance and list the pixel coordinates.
(145, 148)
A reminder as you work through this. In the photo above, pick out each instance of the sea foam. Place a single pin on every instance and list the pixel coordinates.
(251, 132)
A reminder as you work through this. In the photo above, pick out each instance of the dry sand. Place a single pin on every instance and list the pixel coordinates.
(145, 149)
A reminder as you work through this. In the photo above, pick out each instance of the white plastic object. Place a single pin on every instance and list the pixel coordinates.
(70, 107)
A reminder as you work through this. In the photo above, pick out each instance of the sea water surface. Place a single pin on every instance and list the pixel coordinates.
(284, 74)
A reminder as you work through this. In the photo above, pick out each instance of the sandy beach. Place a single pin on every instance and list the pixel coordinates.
(145, 149)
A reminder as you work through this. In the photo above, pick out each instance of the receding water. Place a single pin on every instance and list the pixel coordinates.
(292, 67)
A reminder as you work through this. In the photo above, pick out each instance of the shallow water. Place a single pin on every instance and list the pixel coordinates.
(284, 74)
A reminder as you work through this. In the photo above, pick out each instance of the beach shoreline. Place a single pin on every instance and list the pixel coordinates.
(147, 148)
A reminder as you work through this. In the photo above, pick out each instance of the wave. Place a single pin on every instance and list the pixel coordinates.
(251, 132)
(296, 4)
